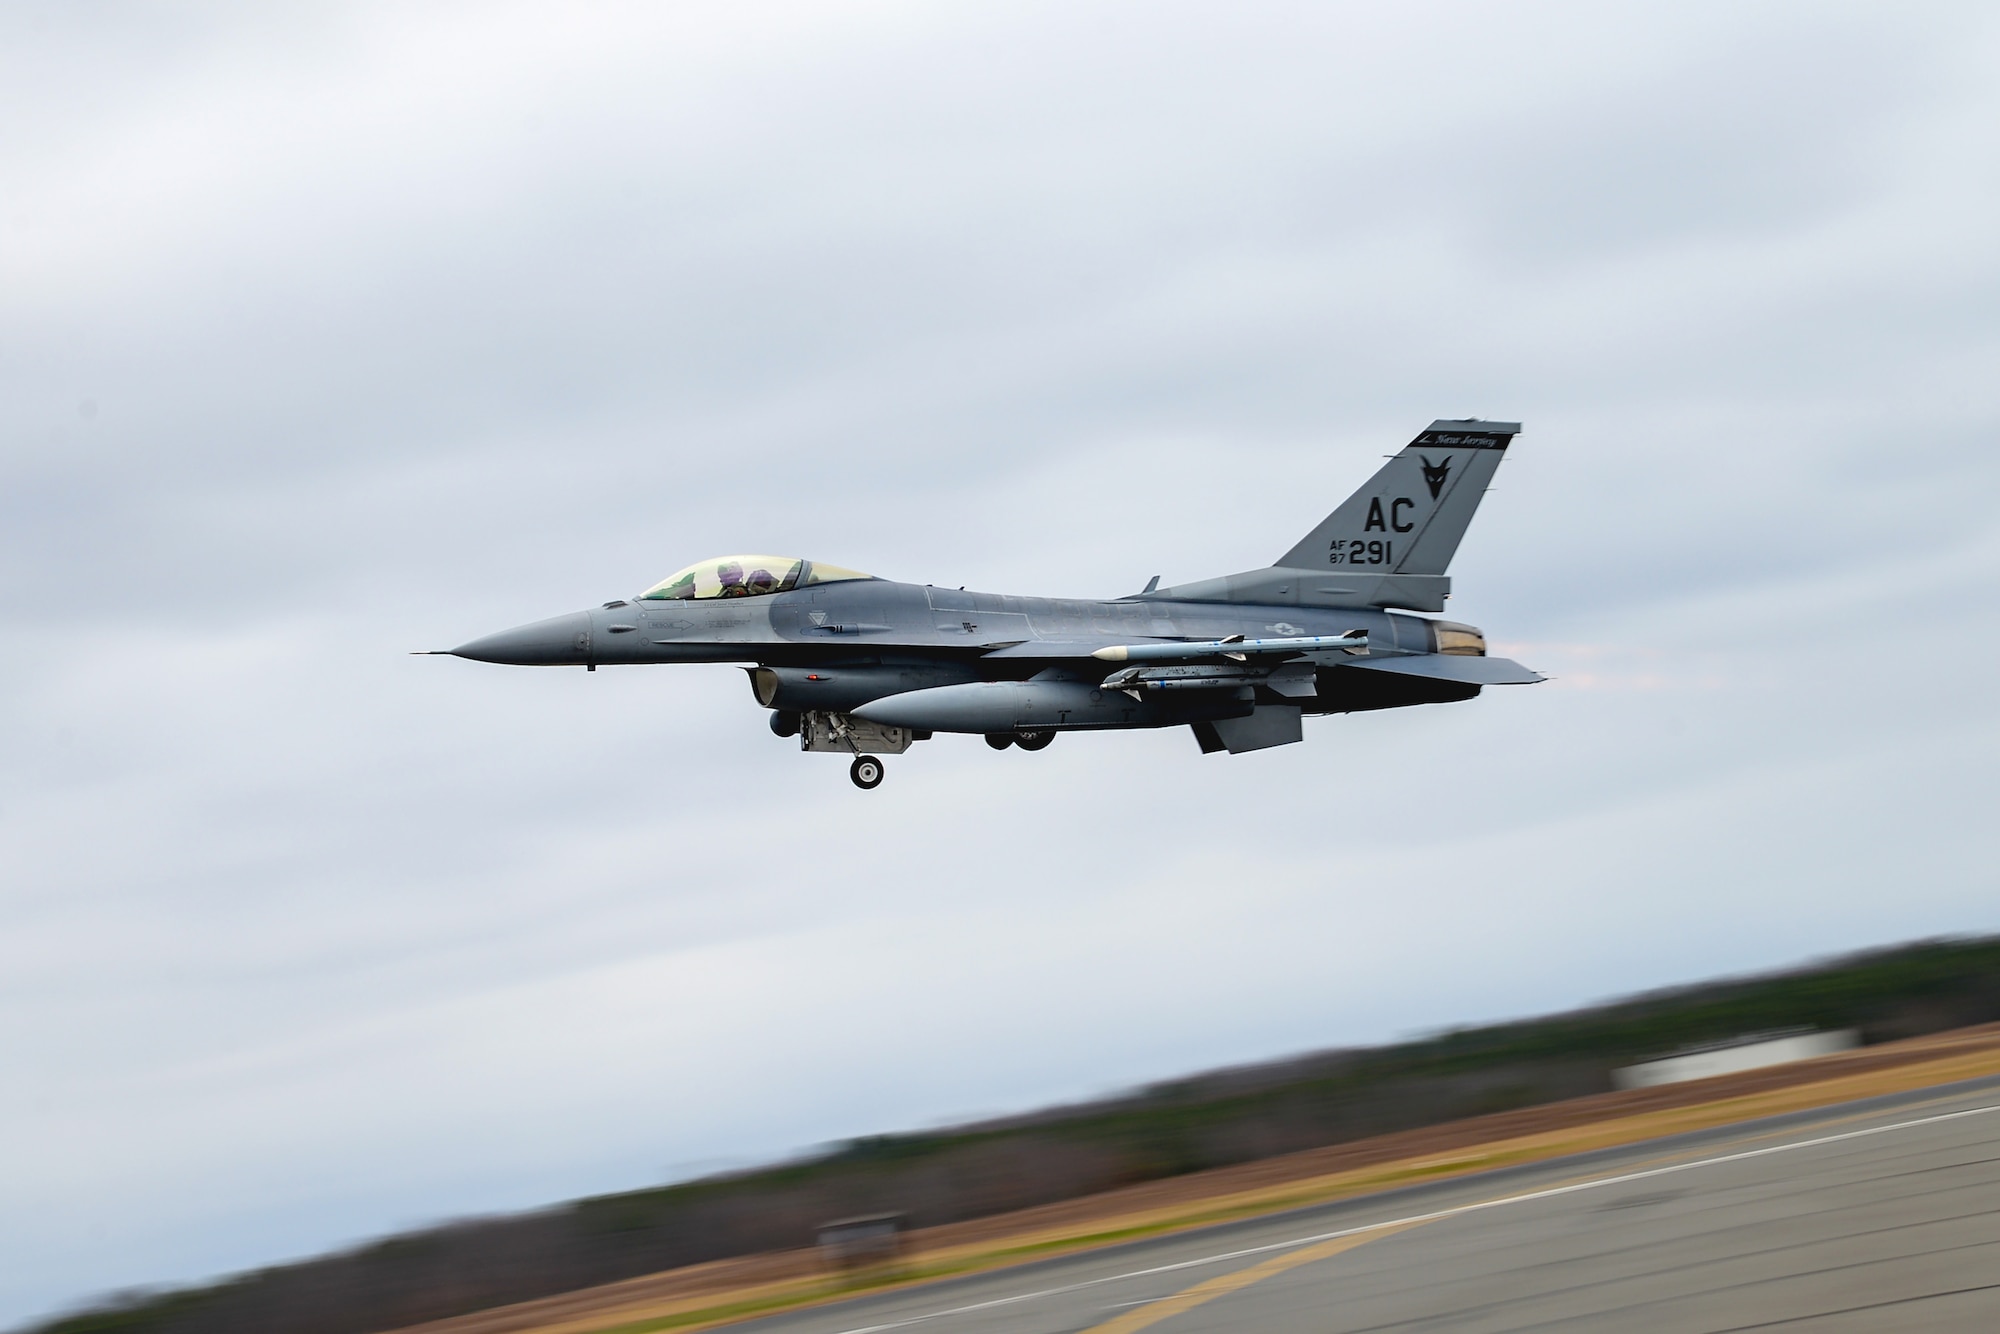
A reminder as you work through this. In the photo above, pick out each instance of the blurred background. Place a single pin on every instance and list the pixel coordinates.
(330, 333)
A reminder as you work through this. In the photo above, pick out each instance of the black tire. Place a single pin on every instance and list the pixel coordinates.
(866, 771)
(999, 740)
(784, 722)
(1034, 740)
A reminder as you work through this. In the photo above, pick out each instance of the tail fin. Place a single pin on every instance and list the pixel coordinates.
(1410, 516)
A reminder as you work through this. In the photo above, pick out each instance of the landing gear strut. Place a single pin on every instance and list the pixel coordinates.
(866, 771)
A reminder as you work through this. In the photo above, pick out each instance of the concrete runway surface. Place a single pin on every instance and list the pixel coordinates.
(1874, 1215)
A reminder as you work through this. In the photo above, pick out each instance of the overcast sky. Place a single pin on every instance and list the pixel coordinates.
(331, 333)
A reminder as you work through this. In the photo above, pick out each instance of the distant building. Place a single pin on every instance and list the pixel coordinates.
(1748, 1052)
(850, 1244)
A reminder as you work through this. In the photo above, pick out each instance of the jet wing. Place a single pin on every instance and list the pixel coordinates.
(1451, 667)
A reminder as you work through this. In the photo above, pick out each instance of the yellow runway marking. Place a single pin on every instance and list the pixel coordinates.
(1223, 1284)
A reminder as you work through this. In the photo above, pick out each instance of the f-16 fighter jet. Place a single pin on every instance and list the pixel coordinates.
(860, 666)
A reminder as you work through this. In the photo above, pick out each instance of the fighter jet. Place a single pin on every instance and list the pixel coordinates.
(859, 666)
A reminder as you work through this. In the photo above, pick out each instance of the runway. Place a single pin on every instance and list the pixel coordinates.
(1876, 1215)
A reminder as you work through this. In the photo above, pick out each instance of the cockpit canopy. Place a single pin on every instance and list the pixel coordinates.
(745, 576)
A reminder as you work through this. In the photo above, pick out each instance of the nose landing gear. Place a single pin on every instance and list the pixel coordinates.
(866, 771)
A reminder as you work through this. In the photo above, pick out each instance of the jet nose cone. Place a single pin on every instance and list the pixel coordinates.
(557, 642)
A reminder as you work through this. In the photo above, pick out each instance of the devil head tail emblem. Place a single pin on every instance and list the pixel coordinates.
(1435, 474)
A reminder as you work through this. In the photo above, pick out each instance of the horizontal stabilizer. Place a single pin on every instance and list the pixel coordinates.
(1451, 667)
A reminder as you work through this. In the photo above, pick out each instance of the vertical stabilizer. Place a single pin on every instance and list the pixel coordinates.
(1411, 515)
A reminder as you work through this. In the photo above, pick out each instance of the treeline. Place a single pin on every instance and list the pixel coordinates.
(1208, 1120)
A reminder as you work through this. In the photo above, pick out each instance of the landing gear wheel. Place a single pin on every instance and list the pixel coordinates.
(866, 771)
(1034, 740)
(999, 740)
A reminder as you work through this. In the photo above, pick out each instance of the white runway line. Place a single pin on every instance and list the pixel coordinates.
(1547, 1192)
